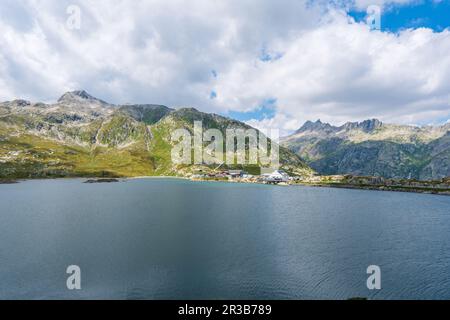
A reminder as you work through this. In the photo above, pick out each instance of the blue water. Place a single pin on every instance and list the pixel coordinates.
(176, 239)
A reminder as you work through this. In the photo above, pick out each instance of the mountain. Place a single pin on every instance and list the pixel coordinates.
(374, 148)
(77, 97)
(81, 135)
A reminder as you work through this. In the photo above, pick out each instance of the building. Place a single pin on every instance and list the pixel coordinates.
(236, 173)
(276, 176)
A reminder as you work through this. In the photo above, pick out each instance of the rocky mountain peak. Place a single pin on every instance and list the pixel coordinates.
(371, 125)
(366, 126)
(79, 96)
(21, 103)
(314, 126)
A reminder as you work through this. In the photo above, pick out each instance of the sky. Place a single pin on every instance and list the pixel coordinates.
(273, 64)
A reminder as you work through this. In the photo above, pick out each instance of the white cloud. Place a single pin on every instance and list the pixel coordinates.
(341, 72)
(325, 65)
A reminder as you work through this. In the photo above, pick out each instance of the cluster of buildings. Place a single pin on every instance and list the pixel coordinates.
(269, 177)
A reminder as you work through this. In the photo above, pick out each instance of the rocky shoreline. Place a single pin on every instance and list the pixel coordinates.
(102, 181)
(8, 181)
(348, 182)
(441, 187)
(445, 192)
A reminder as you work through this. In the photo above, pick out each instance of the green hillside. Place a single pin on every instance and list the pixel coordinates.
(81, 136)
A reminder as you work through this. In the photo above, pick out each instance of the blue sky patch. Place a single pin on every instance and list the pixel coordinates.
(423, 14)
(266, 55)
(266, 110)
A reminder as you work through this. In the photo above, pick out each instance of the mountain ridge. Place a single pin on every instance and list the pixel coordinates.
(373, 148)
(80, 135)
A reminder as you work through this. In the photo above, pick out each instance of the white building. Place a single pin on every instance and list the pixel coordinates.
(276, 176)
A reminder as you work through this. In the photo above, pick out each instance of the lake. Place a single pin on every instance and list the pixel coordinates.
(177, 239)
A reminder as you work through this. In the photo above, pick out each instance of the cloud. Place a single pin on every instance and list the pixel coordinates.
(362, 5)
(222, 56)
(343, 71)
(155, 49)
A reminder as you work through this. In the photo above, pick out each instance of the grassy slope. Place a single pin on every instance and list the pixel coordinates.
(29, 156)
(119, 146)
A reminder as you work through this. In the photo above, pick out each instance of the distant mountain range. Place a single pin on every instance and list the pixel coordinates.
(373, 148)
(81, 135)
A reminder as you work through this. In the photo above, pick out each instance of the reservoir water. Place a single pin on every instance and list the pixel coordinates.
(177, 239)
